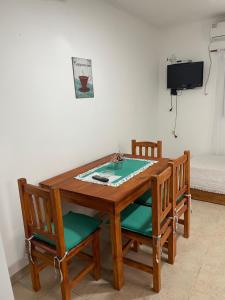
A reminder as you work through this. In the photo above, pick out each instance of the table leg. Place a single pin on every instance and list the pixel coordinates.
(117, 252)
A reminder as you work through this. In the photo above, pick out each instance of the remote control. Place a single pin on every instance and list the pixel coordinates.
(100, 178)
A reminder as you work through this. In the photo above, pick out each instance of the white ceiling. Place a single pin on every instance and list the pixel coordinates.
(171, 12)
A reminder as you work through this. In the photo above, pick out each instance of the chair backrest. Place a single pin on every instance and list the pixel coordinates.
(163, 202)
(182, 174)
(42, 213)
(147, 149)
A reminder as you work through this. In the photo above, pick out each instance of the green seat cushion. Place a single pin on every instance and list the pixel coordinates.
(137, 218)
(145, 199)
(77, 227)
(180, 198)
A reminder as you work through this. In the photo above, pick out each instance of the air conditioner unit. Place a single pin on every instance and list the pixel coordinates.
(217, 37)
(218, 30)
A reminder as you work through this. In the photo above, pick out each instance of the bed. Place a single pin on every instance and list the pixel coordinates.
(208, 178)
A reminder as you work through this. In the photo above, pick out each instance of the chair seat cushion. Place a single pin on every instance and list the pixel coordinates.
(145, 199)
(181, 197)
(137, 218)
(77, 227)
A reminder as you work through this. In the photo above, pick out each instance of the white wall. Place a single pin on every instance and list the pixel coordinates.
(44, 130)
(195, 110)
(6, 292)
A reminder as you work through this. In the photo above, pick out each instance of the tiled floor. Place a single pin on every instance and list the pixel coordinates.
(198, 273)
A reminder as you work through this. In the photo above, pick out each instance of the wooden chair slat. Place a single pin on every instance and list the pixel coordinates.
(33, 212)
(176, 179)
(152, 151)
(160, 195)
(147, 149)
(48, 216)
(182, 175)
(167, 192)
(185, 171)
(178, 172)
(39, 211)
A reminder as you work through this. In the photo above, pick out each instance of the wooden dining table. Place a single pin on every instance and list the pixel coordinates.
(107, 199)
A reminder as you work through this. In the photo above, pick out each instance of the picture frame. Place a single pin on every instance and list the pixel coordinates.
(83, 78)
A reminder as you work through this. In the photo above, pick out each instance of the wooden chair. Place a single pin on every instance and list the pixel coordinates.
(182, 191)
(53, 239)
(147, 149)
(153, 226)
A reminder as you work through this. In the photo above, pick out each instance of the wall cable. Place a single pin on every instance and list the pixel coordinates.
(210, 67)
(175, 121)
(171, 102)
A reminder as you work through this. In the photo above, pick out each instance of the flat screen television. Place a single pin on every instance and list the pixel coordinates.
(185, 75)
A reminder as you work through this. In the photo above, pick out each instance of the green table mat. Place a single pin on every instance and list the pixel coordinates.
(117, 174)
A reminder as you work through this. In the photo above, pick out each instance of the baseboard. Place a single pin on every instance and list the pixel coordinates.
(208, 196)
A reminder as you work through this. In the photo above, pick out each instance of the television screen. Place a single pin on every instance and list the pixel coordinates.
(185, 75)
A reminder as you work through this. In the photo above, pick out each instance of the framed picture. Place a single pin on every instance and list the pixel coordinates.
(83, 79)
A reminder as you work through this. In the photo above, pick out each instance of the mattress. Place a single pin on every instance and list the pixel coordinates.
(208, 173)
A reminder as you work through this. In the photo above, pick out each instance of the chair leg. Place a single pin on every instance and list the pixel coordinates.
(135, 246)
(156, 266)
(35, 276)
(117, 253)
(96, 256)
(187, 215)
(172, 248)
(65, 289)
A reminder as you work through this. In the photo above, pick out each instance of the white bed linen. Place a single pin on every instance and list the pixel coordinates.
(208, 173)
